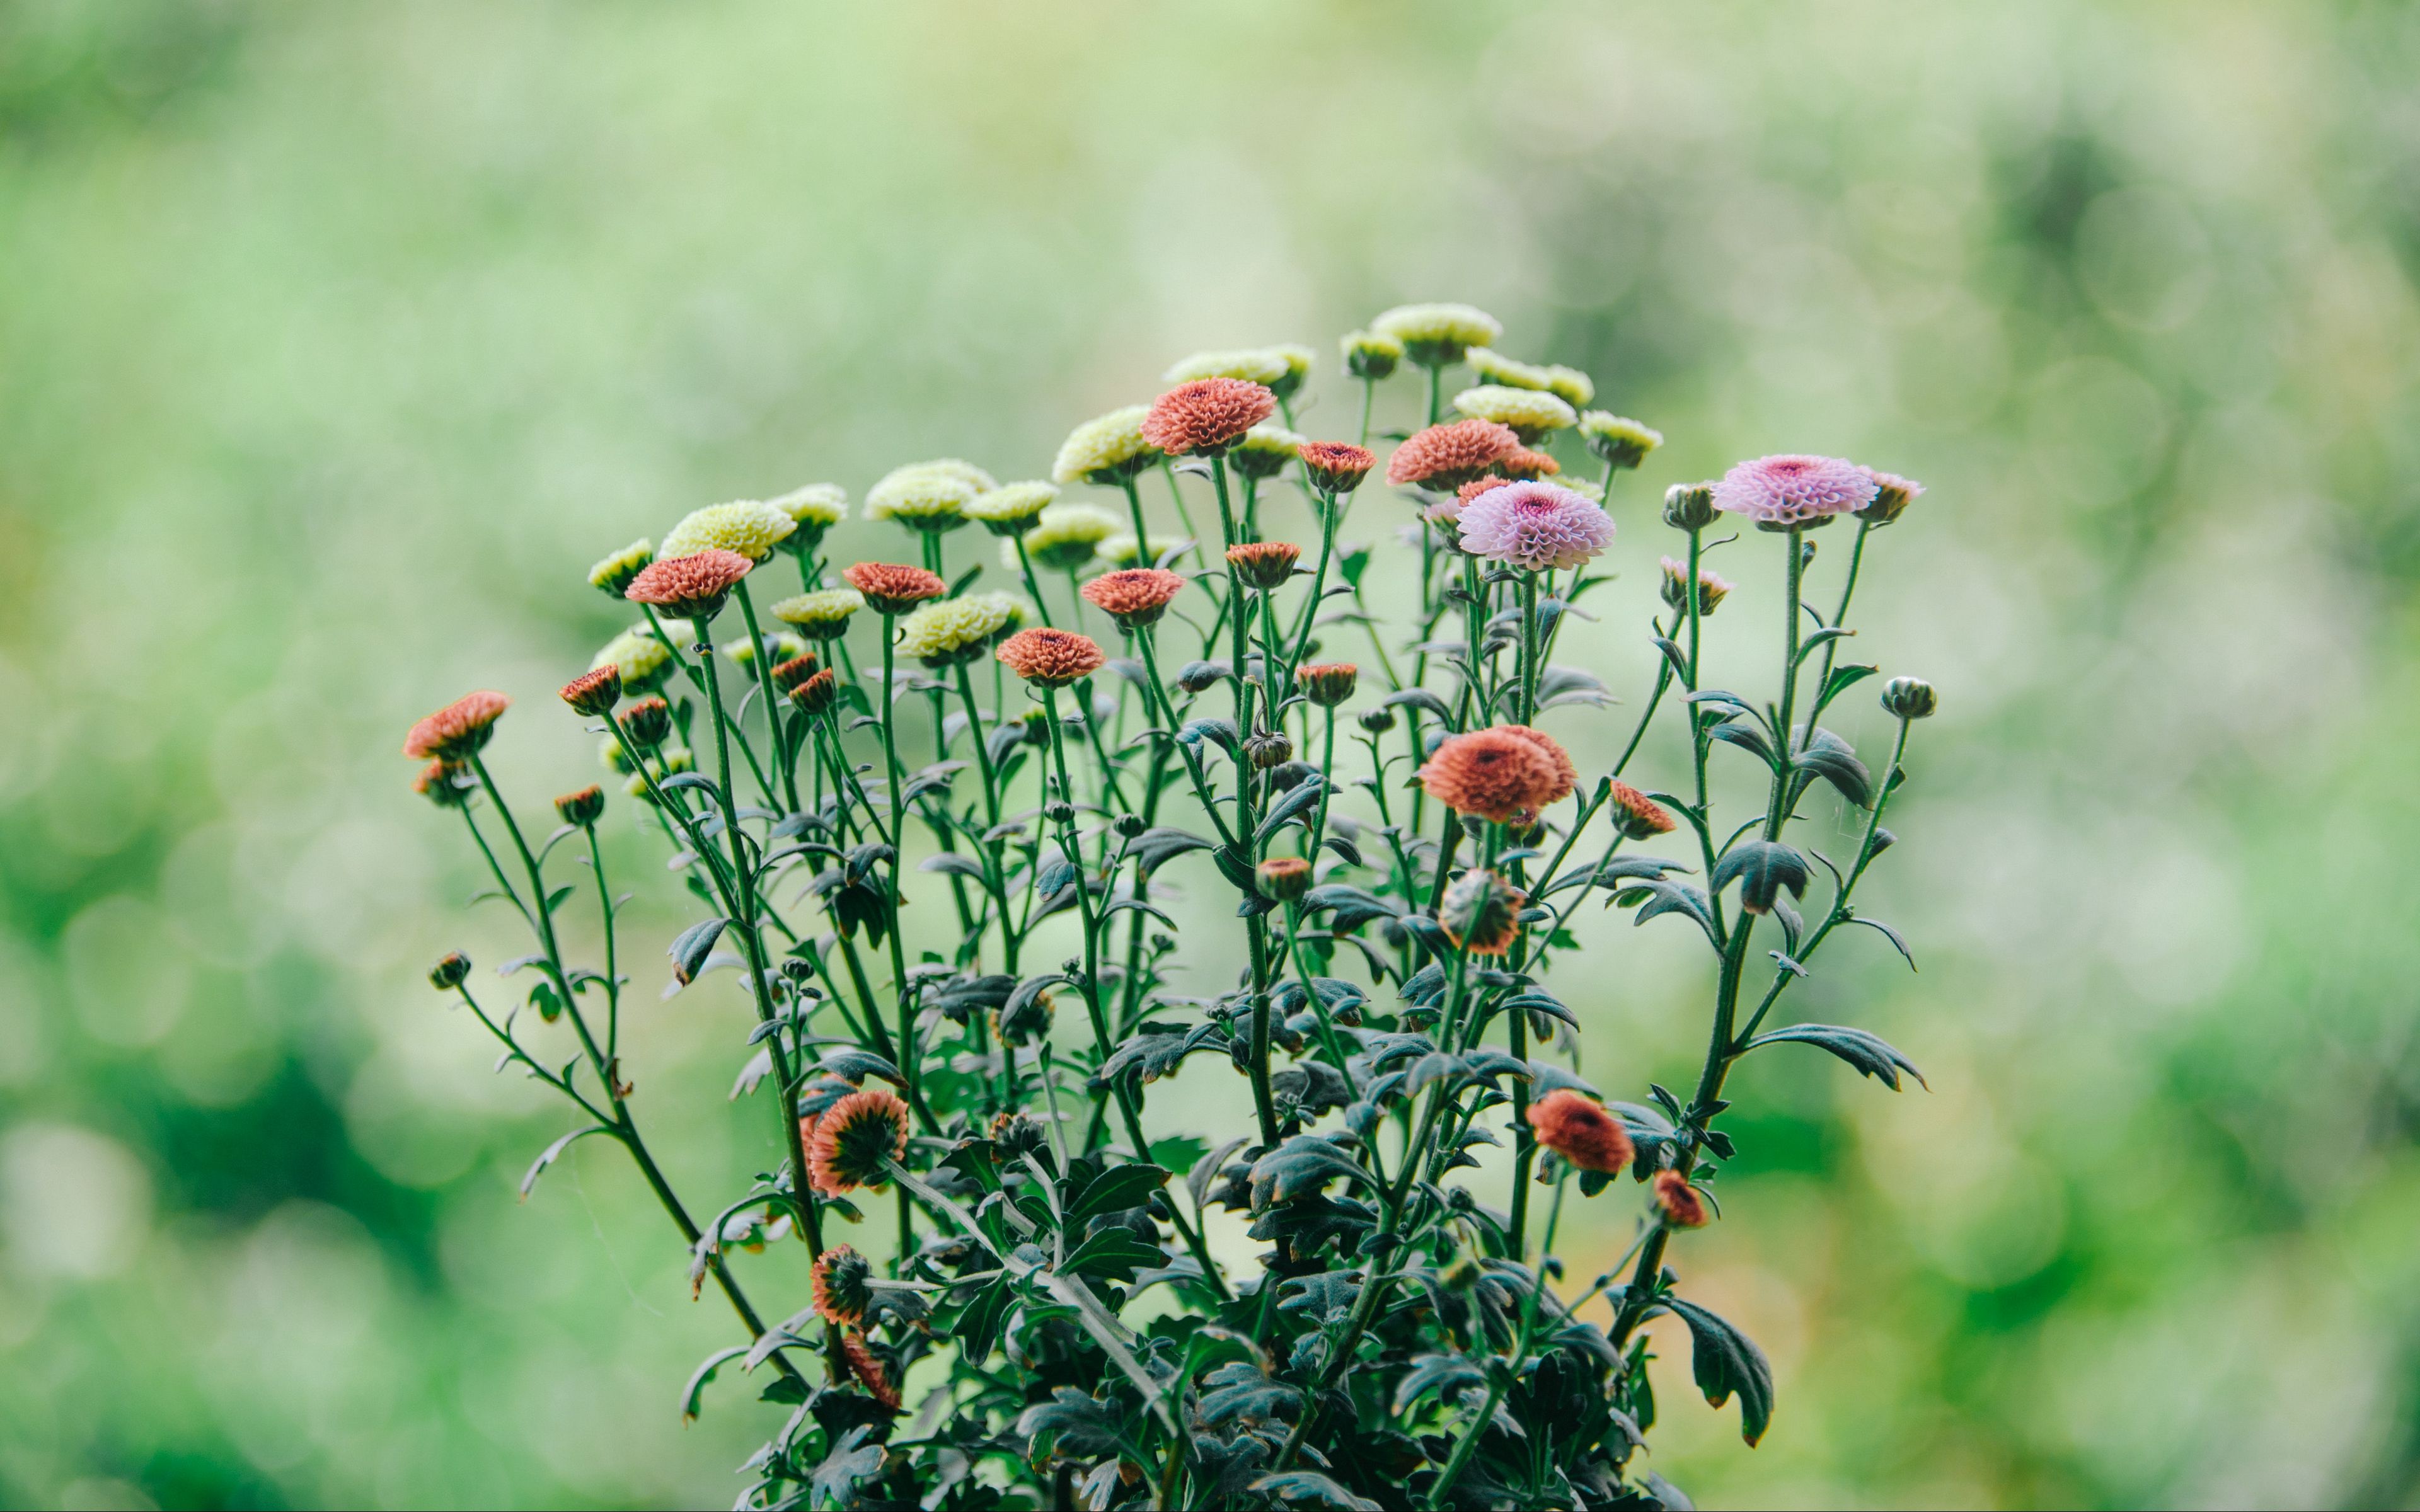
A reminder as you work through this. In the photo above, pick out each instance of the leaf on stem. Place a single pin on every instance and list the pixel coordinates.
(1653, 896)
(553, 1152)
(1312, 1487)
(1155, 847)
(1763, 868)
(691, 946)
(1869, 1053)
(1724, 1360)
(1835, 761)
(702, 1374)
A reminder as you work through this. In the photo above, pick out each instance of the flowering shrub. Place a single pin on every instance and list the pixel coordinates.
(969, 1099)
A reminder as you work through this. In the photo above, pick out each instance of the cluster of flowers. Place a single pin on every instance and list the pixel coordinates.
(1402, 1341)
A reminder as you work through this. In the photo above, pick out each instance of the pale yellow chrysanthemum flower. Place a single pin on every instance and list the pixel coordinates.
(1264, 450)
(948, 467)
(612, 574)
(1434, 334)
(928, 495)
(748, 526)
(640, 658)
(816, 506)
(1298, 360)
(781, 643)
(1371, 354)
(1261, 365)
(1013, 507)
(1569, 384)
(821, 615)
(614, 758)
(1020, 613)
(1119, 551)
(1064, 537)
(669, 762)
(950, 630)
(1105, 450)
(1620, 441)
(1591, 491)
(1496, 367)
(1528, 411)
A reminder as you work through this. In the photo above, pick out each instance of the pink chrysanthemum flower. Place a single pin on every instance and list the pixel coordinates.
(1445, 457)
(1053, 659)
(1892, 495)
(1792, 490)
(1535, 526)
(1206, 414)
(693, 587)
(459, 729)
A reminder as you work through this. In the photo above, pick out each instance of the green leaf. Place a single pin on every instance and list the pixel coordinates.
(1113, 1253)
(1353, 906)
(691, 946)
(702, 1374)
(1746, 737)
(1763, 868)
(1321, 1298)
(978, 1327)
(1832, 759)
(1654, 896)
(1239, 1392)
(851, 1460)
(1311, 1486)
(1081, 1426)
(1302, 795)
(554, 1151)
(1869, 1053)
(1844, 678)
(1438, 1373)
(1301, 1166)
(1724, 1360)
(1155, 847)
(1889, 933)
(554, 900)
(1115, 1190)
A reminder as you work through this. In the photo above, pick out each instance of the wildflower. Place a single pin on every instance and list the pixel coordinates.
(813, 509)
(1435, 335)
(1064, 537)
(1263, 365)
(1491, 774)
(837, 1285)
(693, 586)
(1449, 455)
(1567, 776)
(821, 615)
(640, 655)
(1370, 355)
(1681, 1206)
(948, 631)
(1789, 491)
(613, 573)
(1052, 659)
(1265, 450)
(891, 589)
(1711, 589)
(1480, 911)
(648, 722)
(853, 1139)
(1284, 878)
(1578, 1129)
(1622, 442)
(1327, 683)
(450, 971)
(459, 729)
(1530, 412)
(1637, 815)
(594, 691)
(745, 526)
(924, 497)
(1569, 384)
(1337, 467)
(441, 783)
(1910, 698)
(1495, 367)
(1011, 509)
(1892, 495)
(1123, 549)
(1134, 596)
(1207, 415)
(1268, 750)
(581, 807)
(1689, 506)
(1264, 564)
(781, 645)
(1525, 466)
(1535, 526)
(868, 1370)
(818, 693)
(1106, 450)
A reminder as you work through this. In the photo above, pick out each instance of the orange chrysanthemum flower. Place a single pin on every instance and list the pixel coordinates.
(1492, 774)
(818, 693)
(1567, 777)
(692, 587)
(1637, 815)
(595, 692)
(1053, 659)
(837, 1286)
(855, 1136)
(1134, 596)
(891, 589)
(1264, 564)
(1337, 467)
(441, 784)
(1527, 466)
(1580, 1130)
(1206, 414)
(1446, 457)
(789, 674)
(1681, 1206)
(459, 729)
(868, 1370)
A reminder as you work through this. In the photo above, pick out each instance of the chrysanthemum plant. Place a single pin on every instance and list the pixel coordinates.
(1008, 1275)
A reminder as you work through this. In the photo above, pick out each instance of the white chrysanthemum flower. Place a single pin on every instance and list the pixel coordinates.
(1622, 442)
(639, 657)
(816, 506)
(1263, 365)
(1298, 360)
(1119, 551)
(1105, 450)
(1371, 354)
(948, 467)
(1495, 367)
(926, 497)
(1013, 507)
(948, 630)
(748, 526)
(1530, 412)
(614, 572)
(821, 615)
(1569, 384)
(1264, 450)
(1436, 335)
(1064, 537)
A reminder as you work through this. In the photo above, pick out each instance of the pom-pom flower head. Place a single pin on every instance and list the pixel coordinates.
(821, 615)
(1569, 384)
(1567, 777)
(1263, 365)
(1612, 438)
(1530, 412)
(595, 691)
(1680, 1203)
(1495, 367)
(1892, 495)
(814, 509)
(1134, 596)
(1064, 538)
(1493, 775)
(930, 497)
(1124, 550)
(640, 655)
(745, 526)
(1535, 526)
(1435, 335)
(693, 587)
(1265, 450)
(891, 589)
(1370, 355)
(1264, 564)
(613, 574)
(837, 1285)
(1450, 456)
(1636, 814)
(459, 729)
(1012, 508)
(1051, 658)
(818, 693)
(781, 645)
(1580, 1130)
(1298, 360)
(1207, 415)
(949, 631)
(854, 1138)
(1480, 911)
(1793, 491)
(1525, 466)
(1106, 450)
(1337, 467)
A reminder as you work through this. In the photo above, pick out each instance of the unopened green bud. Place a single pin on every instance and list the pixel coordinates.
(451, 972)
(1689, 506)
(1910, 698)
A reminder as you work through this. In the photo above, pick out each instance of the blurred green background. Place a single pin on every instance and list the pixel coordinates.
(335, 341)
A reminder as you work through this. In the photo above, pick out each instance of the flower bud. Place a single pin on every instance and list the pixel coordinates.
(649, 722)
(1371, 355)
(1060, 813)
(583, 808)
(1327, 685)
(1202, 676)
(1892, 495)
(818, 693)
(617, 572)
(1378, 720)
(789, 674)
(1481, 912)
(1681, 1206)
(1689, 506)
(445, 783)
(1128, 825)
(1264, 564)
(1269, 748)
(1711, 589)
(595, 692)
(1037, 727)
(1284, 878)
(1910, 698)
(451, 972)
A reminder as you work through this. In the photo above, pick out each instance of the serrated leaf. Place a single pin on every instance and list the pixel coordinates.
(1301, 1166)
(1113, 1253)
(1240, 1392)
(1439, 1373)
(1672, 898)
(1869, 1053)
(1115, 1190)
(1723, 1360)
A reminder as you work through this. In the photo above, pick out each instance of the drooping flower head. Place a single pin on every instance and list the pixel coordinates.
(640, 656)
(1207, 415)
(1106, 450)
(948, 631)
(1681, 1206)
(693, 587)
(1612, 438)
(1263, 365)
(1134, 596)
(1282, 878)
(1064, 537)
(927, 497)
(751, 529)
(581, 807)
(1264, 564)
(459, 729)
(1265, 450)
(1567, 777)
(1637, 815)
(1530, 412)
(1124, 550)
(1052, 659)
(1012, 508)
(1327, 683)
(446, 784)
(869, 1370)
(1892, 495)
(1791, 490)
(1492, 775)
(821, 615)
(1578, 1128)
(813, 509)
(1450, 456)
(1480, 911)
(594, 691)
(613, 573)
(853, 1136)
(1535, 526)
(1337, 467)
(1525, 466)
(1710, 588)
(837, 1285)
(1435, 335)
(891, 589)
(1370, 355)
